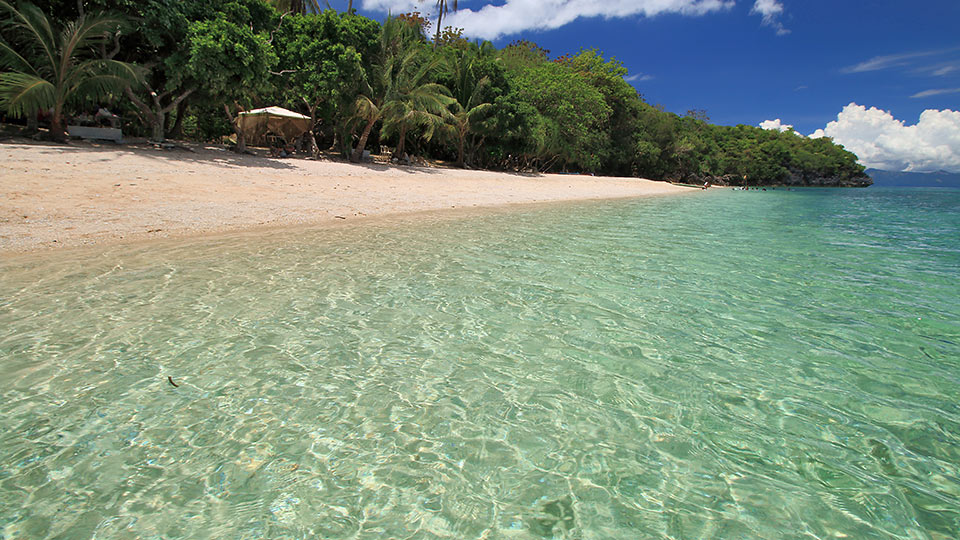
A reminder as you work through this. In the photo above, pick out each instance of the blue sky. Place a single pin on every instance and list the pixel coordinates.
(748, 61)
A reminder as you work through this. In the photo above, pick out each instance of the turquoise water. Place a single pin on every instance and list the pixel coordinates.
(781, 365)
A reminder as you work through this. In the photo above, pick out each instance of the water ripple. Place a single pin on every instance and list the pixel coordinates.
(738, 365)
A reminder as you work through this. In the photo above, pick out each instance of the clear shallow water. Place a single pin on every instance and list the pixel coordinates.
(722, 365)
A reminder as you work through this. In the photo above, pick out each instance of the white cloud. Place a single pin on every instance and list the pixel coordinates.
(775, 125)
(515, 16)
(883, 142)
(770, 10)
(639, 77)
(936, 92)
(878, 63)
(940, 72)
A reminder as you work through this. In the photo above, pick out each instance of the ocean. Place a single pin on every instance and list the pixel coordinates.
(733, 365)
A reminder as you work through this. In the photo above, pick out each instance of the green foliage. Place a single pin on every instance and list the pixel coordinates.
(400, 88)
(321, 62)
(512, 108)
(476, 78)
(232, 61)
(46, 68)
(571, 114)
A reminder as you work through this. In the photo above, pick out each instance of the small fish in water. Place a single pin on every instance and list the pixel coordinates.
(170, 380)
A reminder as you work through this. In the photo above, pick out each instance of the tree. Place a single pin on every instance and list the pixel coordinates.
(47, 69)
(471, 89)
(570, 126)
(443, 7)
(160, 43)
(415, 102)
(296, 7)
(321, 60)
(233, 60)
(398, 88)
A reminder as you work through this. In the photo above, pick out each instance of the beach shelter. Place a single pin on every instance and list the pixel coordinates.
(258, 123)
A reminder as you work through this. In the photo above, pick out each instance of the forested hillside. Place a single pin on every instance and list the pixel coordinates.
(194, 64)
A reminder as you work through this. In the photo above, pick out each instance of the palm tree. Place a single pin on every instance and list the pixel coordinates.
(297, 7)
(416, 103)
(443, 7)
(398, 89)
(466, 117)
(48, 70)
(468, 87)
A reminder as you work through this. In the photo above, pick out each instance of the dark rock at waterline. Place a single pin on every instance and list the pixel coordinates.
(794, 179)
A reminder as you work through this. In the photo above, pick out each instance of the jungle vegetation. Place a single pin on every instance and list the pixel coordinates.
(185, 69)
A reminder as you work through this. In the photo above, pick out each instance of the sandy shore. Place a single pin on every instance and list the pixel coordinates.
(57, 196)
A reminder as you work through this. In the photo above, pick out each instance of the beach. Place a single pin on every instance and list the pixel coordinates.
(54, 196)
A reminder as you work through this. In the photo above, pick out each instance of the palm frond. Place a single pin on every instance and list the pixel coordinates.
(22, 94)
(48, 69)
(11, 59)
(39, 37)
(365, 108)
(479, 110)
(128, 74)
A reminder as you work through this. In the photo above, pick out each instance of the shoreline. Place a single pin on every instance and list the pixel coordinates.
(83, 194)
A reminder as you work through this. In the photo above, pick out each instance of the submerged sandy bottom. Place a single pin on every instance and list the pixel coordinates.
(55, 196)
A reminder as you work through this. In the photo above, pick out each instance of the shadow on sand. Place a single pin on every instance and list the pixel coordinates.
(188, 152)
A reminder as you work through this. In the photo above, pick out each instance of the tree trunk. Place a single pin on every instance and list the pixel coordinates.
(460, 151)
(57, 132)
(176, 132)
(398, 153)
(156, 114)
(32, 123)
(241, 141)
(159, 119)
(358, 151)
(436, 39)
(312, 137)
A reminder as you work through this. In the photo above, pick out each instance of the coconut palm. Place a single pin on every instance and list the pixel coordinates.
(443, 7)
(467, 116)
(416, 103)
(297, 7)
(469, 107)
(46, 69)
(398, 89)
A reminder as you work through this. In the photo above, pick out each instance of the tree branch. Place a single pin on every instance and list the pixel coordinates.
(174, 103)
(275, 30)
(116, 45)
(226, 109)
(140, 104)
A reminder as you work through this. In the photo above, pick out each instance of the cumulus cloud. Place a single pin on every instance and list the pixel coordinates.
(515, 16)
(770, 10)
(775, 125)
(883, 142)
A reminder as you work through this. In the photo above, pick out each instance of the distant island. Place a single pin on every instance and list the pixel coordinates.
(186, 70)
(914, 179)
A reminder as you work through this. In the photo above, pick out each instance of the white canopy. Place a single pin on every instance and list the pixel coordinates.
(256, 124)
(275, 111)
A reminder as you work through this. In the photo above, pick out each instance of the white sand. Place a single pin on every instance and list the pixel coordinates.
(53, 196)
